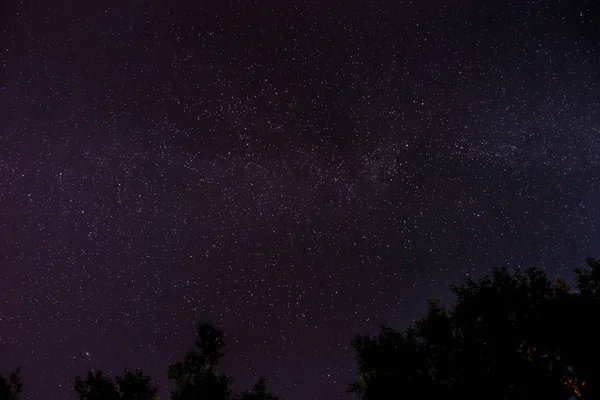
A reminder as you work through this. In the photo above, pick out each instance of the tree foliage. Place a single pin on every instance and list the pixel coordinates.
(11, 388)
(197, 377)
(258, 392)
(508, 336)
(130, 386)
(136, 386)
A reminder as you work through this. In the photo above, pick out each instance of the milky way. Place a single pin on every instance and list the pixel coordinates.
(296, 173)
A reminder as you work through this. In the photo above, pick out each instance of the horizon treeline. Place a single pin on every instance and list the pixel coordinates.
(508, 335)
(196, 377)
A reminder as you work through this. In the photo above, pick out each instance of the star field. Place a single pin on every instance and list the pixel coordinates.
(298, 172)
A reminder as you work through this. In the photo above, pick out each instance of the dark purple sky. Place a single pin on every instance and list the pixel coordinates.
(297, 173)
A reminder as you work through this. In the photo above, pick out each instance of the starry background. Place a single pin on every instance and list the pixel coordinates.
(298, 172)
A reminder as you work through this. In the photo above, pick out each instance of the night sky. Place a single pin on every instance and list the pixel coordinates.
(298, 172)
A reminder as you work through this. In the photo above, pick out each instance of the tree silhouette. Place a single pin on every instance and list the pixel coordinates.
(508, 336)
(11, 389)
(196, 377)
(259, 392)
(136, 386)
(130, 386)
(97, 386)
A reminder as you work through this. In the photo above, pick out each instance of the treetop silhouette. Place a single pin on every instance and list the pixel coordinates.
(508, 336)
(11, 388)
(129, 386)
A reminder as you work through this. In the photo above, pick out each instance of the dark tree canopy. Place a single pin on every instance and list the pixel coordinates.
(259, 392)
(508, 336)
(195, 378)
(136, 386)
(198, 378)
(11, 388)
(130, 386)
